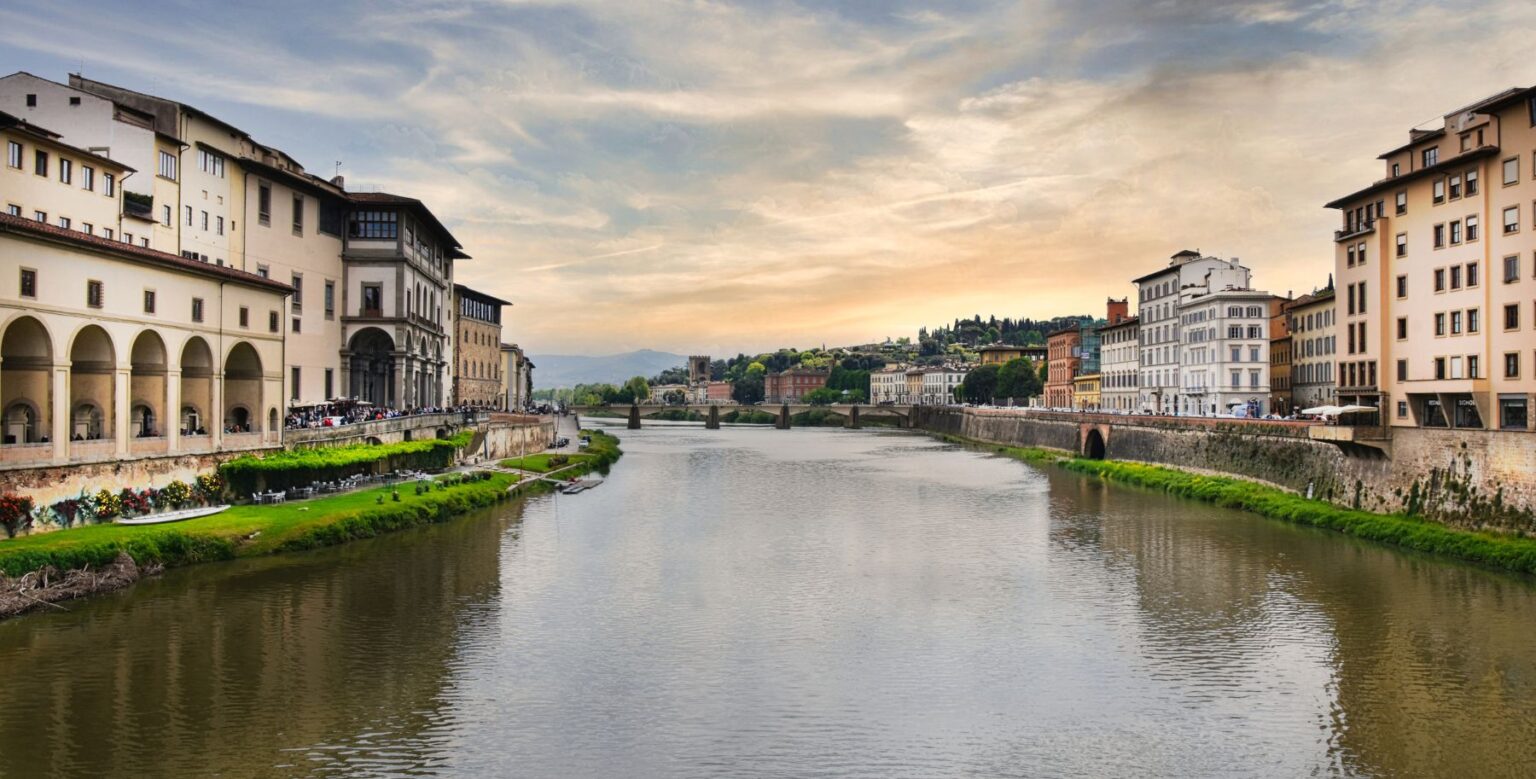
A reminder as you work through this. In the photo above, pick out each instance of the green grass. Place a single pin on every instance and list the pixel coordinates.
(540, 463)
(298, 467)
(244, 531)
(1494, 550)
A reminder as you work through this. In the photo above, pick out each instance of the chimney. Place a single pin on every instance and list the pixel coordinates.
(340, 181)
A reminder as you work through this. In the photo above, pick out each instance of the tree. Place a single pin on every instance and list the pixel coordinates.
(854, 396)
(1045, 372)
(1018, 378)
(748, 389)
(821, 396)
(980, 385)
(674, 397)
(638, 388)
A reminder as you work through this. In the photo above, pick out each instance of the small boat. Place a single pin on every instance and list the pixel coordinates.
(573, 489)
(172, 516)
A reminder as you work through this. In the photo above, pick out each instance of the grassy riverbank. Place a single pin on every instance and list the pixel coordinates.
(244, 531)
(1495, 550)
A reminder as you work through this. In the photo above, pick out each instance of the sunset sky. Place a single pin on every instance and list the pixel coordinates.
(721, 177)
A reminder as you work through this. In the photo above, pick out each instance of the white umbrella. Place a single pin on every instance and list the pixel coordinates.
(1358, 409)
(1324, 411)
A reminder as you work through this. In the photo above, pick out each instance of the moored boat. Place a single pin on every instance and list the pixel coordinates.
(172, 516)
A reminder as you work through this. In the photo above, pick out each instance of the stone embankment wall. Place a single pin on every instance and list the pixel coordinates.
(513, 435)
(1462, 477)
(384, 431)
(48, 485)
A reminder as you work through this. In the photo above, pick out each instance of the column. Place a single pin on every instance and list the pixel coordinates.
(402, 364)
(122, 380)
(172, 421)
(215, 425)
(60, 434)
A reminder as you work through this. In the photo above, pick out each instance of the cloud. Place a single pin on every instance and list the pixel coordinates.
(686, 174)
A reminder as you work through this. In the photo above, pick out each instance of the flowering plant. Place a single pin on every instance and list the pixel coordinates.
(209, 487)
(176, 494)
(135, 502)
(15, 513)
(65, 511)
(107, 505)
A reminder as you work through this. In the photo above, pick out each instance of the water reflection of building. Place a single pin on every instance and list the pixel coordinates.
(235, 669)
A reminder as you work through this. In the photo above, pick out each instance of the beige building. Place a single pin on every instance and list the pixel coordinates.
(888, 385)
(1436, 267)
(517, 371)
(480, 377)
(1120, 365)
(114, 352)
(1312, 349)
(52, 182)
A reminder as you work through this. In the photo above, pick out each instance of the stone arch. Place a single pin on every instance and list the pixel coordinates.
(92, 384)
(373, 441)
(147, 385)
(26, 389)
(242, 388)
(442, 432)
(271, 418)
(196, 387)
(371, 366)
(1093, 444)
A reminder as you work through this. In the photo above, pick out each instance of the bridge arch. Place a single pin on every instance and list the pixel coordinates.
(1093, 444)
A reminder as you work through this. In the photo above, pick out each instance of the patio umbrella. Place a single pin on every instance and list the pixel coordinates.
(1324, 411)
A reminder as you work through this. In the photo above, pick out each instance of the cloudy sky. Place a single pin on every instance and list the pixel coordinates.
(718, 177)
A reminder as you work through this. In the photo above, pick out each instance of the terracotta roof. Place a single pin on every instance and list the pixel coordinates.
(21, 226)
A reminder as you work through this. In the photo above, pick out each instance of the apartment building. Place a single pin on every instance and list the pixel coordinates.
(1311, 324)
(938, 385)
(49, 181)
(1158, 297)
(888, 385)
(1064, 349)
(479, 379)
(1436, 325)
(1280, 358)
(1224, 356)
(1120, 365)
(791, 385)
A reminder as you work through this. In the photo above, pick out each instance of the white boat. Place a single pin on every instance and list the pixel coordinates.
(172, 516)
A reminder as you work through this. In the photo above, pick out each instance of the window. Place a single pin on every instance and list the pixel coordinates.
(1360, 253)
(1402, 244)
(373, 224)
(298, 292)
(1511, 365)
(1471, 183)
(1439, 236)
(1402, 327)
(1439, 279)
(149, 301)
(294, 383)
(167, 166)
(1237, 378)
(197, 309)
(296, 325)
(1455, 183)
(106, 232)
(165, 215)
(1402, 203)
(1253, 354)
(272, 321)
(1439, 191)
(87, 177)
(1472, 228)
(1455, 323)
(328, 384)
(1237, 354)
(1474, 320)
(1512, 220)
(40, 162)
(1473, 366)
(1402, 370)
(40, 216)
(210, 163)
(245, 317)
(264, 204)
(12, 209)
(28, 283)
(1402, 286)
(1440, 324)
(1402, 409)
(189, 215)
(1439, 368)
(1455, 232)
(298, 215)
(1431, 156)
(13, 154)
(1397, 168)
(205, 220)
(1511, 269)
(1512, 316)
(31, 100)
(1512, 412)
(1349, 257)
(93, 293)
(64, 222)
(1512, 171)
(219, 225)
(87, 228)
(263, 271)
(373, 300)
(109, 185)
(330, 305)
(1455, 277)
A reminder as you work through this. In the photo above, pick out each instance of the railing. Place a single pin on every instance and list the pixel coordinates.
(99, 448)
(1352, 230)
(149, 445)
(195, 443)
(25, 453)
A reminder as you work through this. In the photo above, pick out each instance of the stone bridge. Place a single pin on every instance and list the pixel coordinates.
(852, 413)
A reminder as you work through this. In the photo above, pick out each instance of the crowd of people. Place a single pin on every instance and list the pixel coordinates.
(350, 413)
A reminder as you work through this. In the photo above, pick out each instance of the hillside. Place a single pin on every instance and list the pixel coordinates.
(568, 370)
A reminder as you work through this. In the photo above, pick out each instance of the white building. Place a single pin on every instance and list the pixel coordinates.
(939, 385)
(1224, 357)
(1120, 365)
(888, 385)
(1159, 295)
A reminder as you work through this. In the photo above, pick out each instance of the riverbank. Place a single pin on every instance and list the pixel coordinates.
(1510, 552)
(43, 569)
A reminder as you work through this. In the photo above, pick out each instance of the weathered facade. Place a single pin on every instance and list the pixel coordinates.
(480, 379)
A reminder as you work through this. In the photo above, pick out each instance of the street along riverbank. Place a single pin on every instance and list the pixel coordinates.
(1506, 551)
(37, 571)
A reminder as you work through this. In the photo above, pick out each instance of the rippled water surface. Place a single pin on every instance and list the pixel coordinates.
(751, 602)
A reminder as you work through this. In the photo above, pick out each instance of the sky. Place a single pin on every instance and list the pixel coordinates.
(713, 177)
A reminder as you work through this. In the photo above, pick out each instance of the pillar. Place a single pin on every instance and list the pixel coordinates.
(172, 422)
(853, 416)
(216, 410)
(634, 416)
(60, 404)
(397, 400)
(122, 381)
(783, 423)
(712, 422)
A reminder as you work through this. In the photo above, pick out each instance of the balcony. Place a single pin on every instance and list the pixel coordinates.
(1355, 230)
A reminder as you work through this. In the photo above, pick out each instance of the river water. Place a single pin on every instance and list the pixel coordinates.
(752, 602)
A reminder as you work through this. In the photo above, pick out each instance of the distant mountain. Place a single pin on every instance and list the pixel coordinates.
(567, 370)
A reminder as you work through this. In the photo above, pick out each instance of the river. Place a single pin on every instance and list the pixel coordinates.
(816, 602)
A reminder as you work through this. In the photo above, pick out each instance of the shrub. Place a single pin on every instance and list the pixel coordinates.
(15, 513)
(107, 505)
(302, 467)
(176, 494)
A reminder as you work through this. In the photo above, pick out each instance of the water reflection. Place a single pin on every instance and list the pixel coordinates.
(751, 602)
